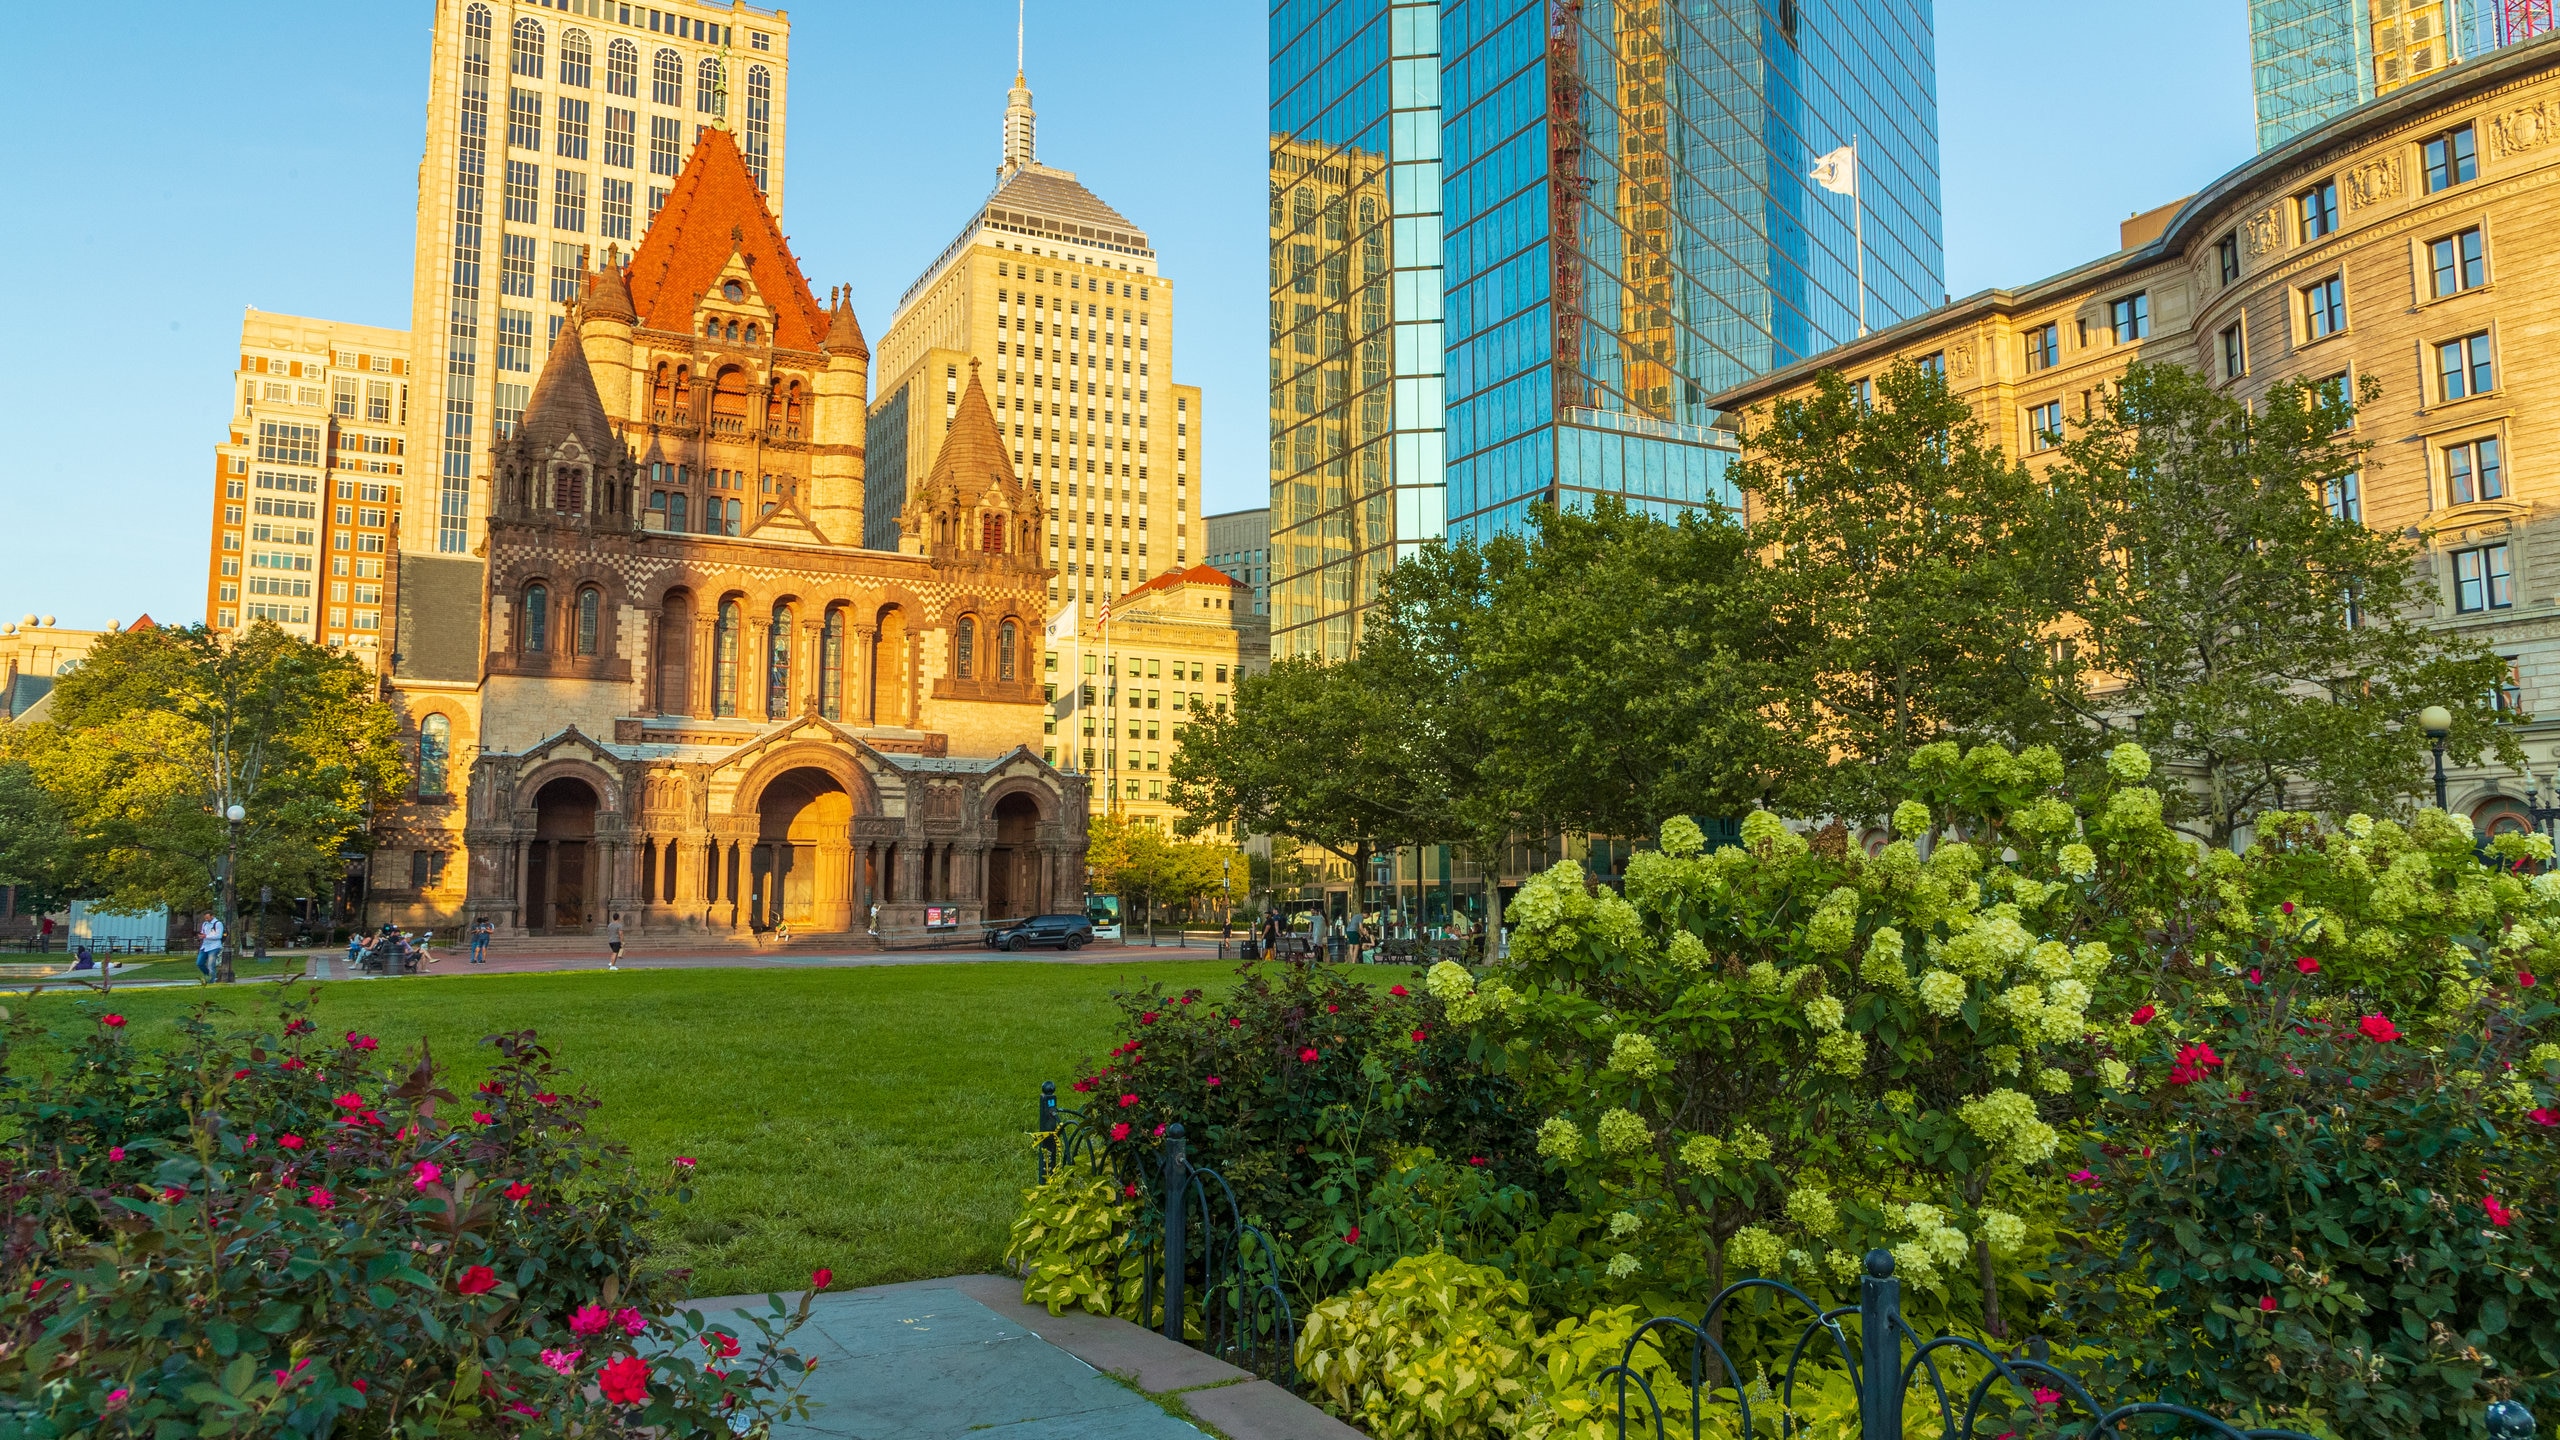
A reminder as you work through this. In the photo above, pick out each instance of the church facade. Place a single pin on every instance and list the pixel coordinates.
(691, 699)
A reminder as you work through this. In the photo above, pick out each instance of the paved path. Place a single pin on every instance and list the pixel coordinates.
(940, 1359)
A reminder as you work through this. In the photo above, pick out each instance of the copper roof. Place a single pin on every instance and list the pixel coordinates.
(716, 209)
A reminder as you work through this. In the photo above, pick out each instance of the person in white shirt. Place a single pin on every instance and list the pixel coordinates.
(208, 945)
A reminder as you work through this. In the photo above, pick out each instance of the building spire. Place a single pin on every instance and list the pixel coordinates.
(1018, 150)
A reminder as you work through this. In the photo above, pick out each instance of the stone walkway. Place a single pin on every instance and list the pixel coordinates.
(940, 1359)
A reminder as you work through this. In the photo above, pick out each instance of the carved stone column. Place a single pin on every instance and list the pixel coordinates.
(859, 707)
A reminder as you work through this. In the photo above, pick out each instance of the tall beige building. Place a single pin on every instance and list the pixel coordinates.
(555, 130)
(307, 479)
(1060, 298)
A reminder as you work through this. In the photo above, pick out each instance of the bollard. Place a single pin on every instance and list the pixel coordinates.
(1048, 1127)
(1879, 1350)
(2509, 1420)
(1177, 1242)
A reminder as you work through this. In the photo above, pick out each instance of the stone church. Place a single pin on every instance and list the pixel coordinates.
(691, 698)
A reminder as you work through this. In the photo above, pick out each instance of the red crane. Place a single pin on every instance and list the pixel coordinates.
(2523, 19)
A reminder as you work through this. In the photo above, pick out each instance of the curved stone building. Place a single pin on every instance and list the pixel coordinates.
(2408, 242)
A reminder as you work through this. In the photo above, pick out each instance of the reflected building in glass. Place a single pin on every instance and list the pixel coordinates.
(1623, 227)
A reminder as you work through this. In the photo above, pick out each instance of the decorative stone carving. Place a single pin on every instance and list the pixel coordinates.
(2527, 127)
(2260, 231)
(2374, 182)
(1960, 359)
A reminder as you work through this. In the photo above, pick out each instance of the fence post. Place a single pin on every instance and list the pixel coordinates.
(1048, 1127)
(1177, 1243)
(1879, 1350)
(2509, 1420)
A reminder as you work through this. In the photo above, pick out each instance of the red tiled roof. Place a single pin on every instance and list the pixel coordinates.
(714, 209)
(1196, 575)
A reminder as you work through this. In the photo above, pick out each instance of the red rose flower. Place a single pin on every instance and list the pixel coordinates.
(1234, 1022)
(821, 1278)
(2143, 1015)
(349, 1101)
(1187, 999)
(483, 1117)
(1147, 1018)
(1419, 1037)
(478, 1280)
(2499, 1215)
(2286, 907)
(2255, 978)
(112, 1022)
(1120, 1131)
(2267, 1303)
(625, 1381)
(631, 1321)
(519, 1190)
(589, 1320)
(2378, 1029)
(1308, 1055)
(1398, 991)
(1215, 1082)
(1352, 1236)
(2544, 1115)
(2194, 1063)
(115, 1152)
(362, 1042)
(1478, 1160)
(2525, 978)
(289, 1142)
(1330, 1009)
(1128, 1100)
(720, 1344)
(2307, 965)
(293, 1062)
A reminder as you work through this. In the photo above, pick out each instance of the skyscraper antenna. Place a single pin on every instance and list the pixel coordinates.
(1018, 6)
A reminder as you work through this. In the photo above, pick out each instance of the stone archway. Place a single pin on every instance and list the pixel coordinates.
(802, 866)
(1014, 871)
(559, 862)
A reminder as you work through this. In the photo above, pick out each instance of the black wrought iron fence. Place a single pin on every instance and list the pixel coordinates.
(1230, 1269)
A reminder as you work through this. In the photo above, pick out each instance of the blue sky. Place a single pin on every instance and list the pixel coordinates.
(193, 159)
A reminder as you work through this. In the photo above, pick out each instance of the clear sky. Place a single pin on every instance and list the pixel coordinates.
(181, 161)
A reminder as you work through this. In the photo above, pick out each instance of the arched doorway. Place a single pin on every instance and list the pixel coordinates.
(559, 860)
(803, 855)
(1013, 861)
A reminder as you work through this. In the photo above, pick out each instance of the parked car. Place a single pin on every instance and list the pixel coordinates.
(1066, 932)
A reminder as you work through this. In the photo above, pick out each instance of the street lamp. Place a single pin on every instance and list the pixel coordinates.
(230, 906)
(2437, 721)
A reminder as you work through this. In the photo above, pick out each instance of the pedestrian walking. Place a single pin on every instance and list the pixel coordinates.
(208, 945)
(44, 935)
(613, 942)
(481, 930)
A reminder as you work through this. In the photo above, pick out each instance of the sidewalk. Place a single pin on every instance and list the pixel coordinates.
(940, 1359)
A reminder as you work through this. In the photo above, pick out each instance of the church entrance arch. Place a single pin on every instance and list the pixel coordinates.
(559, 862)
(1014, 872)
(803, 861)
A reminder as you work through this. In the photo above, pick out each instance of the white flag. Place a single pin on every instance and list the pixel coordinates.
(1837, 172)
(1062, 626)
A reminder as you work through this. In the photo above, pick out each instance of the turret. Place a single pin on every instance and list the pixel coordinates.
(839, 425)
(606, 310)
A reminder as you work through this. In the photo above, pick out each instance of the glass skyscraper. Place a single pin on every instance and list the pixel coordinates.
(2311, 60)
(1623, 227)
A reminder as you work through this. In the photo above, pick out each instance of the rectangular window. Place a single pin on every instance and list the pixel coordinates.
(2463, 367)
(571, 118)
(613, 219)
(666, 146)
(2044, 425)
(2481, 580)
(2318, 207)
(2457, 262)
(342, 399)
(515, 266)
(524, 192)
(2226, 254)
(2235, 353)
(2451, 159)
(286, 444)
(515, 339)
(2131, 317)
(569, 200)
(657, 200)
(1935, 364)
(524, 119)
(620, 150)
(2044, 347)
(2324, 308)
(377, 401)
(2473, 471)
(1863, 390)
(2344, 498)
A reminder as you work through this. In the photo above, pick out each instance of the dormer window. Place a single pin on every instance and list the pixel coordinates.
(732, 291)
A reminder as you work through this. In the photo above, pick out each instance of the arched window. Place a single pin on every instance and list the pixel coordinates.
(759, 123)
(751, 332)
(661, 392)
(590, 604)
(710, 88)
(968, 647)
(675, 653)
(831, 666)
(724, 660)
(622, 68)
(1005, 634)
(711, 327)
(991, 533)
(684, 387)
(735, 512)
(569, 487)
(791, 406)
(777, 680)
(666, 79)
(577, 59)
(435, 743)
(528, 54)
(537, 619)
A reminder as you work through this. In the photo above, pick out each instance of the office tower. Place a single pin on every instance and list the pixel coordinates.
(554, 132)
(1516, 244)
(1061, 298)
(2312, 60)
(1240, 545)
(308, 479)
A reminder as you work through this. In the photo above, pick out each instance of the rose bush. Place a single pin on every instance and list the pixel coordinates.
(260, 1232)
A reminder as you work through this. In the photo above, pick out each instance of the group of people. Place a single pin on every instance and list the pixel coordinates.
(1352, 939)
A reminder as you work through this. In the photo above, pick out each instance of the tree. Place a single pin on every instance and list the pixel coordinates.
(1908, 572)
(1139, 861)
(2240, 631)
(37, 855)
(160, 731)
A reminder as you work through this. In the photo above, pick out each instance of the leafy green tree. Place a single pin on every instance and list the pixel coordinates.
(2257, 643)
(160, 731)
(1908, 566)
(37, 854)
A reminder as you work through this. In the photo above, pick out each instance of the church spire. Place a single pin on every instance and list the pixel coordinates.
(1017, 109)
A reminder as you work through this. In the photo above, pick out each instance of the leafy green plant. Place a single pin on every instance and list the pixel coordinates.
(265, 1233)
(1072, 1244)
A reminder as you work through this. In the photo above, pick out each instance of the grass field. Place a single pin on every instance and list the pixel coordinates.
(866, 1119)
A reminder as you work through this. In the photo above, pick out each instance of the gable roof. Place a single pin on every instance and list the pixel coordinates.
(715, 209)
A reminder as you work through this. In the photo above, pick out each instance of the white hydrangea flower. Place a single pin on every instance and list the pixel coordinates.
(2129, 763)
(1623, 1133)
(1560, 1139)
(1635, 1053)
(1834, 924)
(1701, 1152)
(2050, 960)
(1688, 951)
(1623, 1264)
(1681, 837)
(1842, 1052)
(1825, 1014)
(1947, 1245)
(1941, 993)
(1624, 1224)
(1812, 1211)
(1911, 818)
(2077, 861)
(2053, 1080)
(2360, 825)
(1753, 1248)
(1448, 980)
(1883, 966)
(1761, 826)
(1913, 1264)
(1748, 1145)
(2005, 1232)
(1761, 978)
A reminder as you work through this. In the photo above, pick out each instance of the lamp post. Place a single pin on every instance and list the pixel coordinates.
(230, 905)
(2437, 721)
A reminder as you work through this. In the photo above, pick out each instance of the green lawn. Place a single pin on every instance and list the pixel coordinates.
(865, 1119)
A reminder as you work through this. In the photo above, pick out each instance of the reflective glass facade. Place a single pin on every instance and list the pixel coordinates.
(1356, 398)
(1625, 226)
(2312, 60)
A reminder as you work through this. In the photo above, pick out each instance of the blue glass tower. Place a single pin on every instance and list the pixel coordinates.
(1626, 227)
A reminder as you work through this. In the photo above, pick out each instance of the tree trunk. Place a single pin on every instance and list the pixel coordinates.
(1991, 1323)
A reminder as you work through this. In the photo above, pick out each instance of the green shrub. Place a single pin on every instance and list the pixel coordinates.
(1073, 1244)
(265, 1233)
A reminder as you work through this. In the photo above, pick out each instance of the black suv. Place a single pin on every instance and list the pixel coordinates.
(1067, 932)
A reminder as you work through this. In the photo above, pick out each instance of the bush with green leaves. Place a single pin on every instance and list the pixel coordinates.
(264, 1232)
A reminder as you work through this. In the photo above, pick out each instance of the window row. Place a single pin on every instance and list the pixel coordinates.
(2445, 160)
(622, 64)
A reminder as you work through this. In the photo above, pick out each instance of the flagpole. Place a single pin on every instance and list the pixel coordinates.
(1858, 228)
